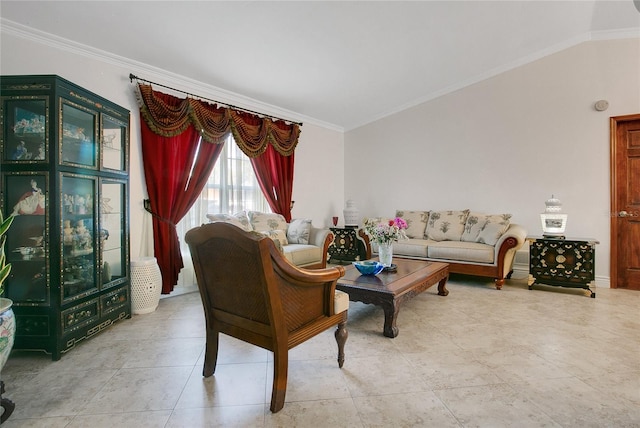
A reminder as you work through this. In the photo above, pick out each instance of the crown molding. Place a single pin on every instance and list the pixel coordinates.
(146, 71)
(627, 33)
(224, 96)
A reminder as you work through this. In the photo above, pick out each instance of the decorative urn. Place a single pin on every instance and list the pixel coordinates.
(351, 214)
(553, 220)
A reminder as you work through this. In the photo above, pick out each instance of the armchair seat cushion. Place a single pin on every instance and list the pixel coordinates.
(301, 254)
(340, 302)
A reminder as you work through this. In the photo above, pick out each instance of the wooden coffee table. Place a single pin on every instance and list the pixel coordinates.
(390, 289)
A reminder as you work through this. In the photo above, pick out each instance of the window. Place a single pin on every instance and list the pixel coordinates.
(232, 187)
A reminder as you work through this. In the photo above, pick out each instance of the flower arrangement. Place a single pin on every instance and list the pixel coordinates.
(385, 231)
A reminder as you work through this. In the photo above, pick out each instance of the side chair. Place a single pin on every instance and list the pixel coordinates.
(251, 292)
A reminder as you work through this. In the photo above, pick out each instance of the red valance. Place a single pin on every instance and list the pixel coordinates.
(251, 132)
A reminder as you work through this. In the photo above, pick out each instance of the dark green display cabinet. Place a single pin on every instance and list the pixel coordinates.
(65, 177)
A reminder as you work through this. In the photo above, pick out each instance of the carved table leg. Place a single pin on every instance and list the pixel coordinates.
(341, 335)
(8, 406)
(442, 289)
(390, 315)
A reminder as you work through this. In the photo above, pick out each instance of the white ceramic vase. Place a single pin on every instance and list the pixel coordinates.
(351, 214)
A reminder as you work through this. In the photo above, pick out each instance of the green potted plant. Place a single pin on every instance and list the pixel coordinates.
(7, 318)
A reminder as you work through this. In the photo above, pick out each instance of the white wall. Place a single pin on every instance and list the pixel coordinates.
(502, 145)
(319, 167)
(506, 144)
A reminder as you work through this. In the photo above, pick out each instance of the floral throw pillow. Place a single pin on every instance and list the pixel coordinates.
(416, 222)
(446, 225)
(494, 228)
(238, 219)
(472, 227)
(298, 231)
(278, 236)
(264, 222)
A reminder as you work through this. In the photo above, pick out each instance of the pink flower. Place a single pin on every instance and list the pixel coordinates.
(400, 223)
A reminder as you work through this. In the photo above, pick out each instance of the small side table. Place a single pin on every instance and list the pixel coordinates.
(346, 246)
(562, 262)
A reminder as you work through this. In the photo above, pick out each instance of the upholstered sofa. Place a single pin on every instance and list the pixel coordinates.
(472, 243)
(302, 244)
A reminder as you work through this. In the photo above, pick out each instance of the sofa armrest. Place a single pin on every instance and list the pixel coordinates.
(514, 231)
(505, 250)
(321, 238)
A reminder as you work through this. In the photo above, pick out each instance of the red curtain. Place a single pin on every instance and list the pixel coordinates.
(173, 186)
(174, 132)
(275, 175)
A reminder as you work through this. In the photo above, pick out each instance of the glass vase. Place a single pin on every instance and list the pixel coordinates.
(385, 253)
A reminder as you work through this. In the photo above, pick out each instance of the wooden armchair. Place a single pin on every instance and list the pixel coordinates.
(251, 292)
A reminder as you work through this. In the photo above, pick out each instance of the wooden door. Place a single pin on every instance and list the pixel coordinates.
(625, 202)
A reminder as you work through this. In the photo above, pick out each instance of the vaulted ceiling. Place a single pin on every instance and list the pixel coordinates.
(339, 63)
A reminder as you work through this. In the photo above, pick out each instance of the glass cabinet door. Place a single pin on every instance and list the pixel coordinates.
(25, 127)
(112, 232)
(78, 137)
(78, 236)
(114, 134)
(26, 247)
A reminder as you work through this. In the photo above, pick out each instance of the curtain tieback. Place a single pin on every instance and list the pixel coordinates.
(147, 207)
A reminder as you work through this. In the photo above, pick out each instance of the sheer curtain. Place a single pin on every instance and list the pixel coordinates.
(232, 187)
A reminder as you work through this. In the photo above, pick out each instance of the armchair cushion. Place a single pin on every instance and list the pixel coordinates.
(298, 231)
(264, 222)
(278, 236)
(340, 302)
(301, 254)
(301, 243)
(239, 219)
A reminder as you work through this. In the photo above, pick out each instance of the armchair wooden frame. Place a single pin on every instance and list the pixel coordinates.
(251, 292)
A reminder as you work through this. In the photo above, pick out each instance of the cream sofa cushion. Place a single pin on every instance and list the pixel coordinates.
(301, 254)
(416, 222)
(264, 222)
(279, 236)
(472, 227)
(409, 248)
(298, 231)
(462, 251)
(446, 225)
(239, 219)
(494, 228)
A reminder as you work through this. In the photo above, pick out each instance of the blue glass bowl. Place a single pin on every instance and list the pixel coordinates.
(369, 267)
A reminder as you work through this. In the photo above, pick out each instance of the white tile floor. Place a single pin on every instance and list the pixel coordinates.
(479, 357)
